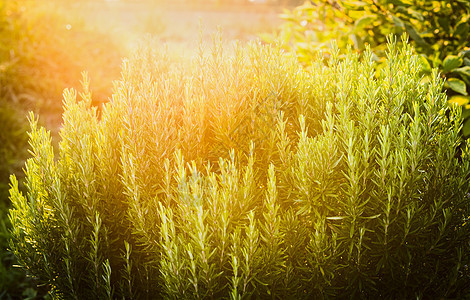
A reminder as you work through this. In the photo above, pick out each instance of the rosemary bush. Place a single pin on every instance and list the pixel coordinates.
(247, 176)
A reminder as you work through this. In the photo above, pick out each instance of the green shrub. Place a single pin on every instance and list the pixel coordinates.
(249, 176)
(440, 31)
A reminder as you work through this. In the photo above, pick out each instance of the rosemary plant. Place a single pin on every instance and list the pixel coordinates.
(247, 176)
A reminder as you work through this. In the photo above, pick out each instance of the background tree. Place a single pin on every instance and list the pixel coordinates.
(439, 31)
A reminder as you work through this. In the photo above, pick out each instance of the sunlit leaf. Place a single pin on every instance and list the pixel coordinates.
(354, 4)
(451, 62)
(425, 64)
(459, 100)
(436, 6)
(456, 85)
(463, 70)
(354, 14)
(427, 35)
(401, 2)
(425, 80)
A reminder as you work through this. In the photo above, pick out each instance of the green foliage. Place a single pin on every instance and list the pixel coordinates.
(37, 60)
(13, 281)
(439, 30)
(44, 48)
(247, 176)
(13, 144)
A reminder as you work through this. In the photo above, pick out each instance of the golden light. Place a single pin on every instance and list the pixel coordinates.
(94, 36)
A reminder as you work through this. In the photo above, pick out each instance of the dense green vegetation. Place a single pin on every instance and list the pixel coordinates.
(439, 31)
(13, 141)
(37, 61)
(245, 175)
(250, 176)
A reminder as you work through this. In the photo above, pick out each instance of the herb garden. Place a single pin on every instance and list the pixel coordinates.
(248, 175)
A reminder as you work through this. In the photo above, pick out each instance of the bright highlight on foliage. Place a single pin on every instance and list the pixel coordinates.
(250, 176)
(44, 47)
(439, 30)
